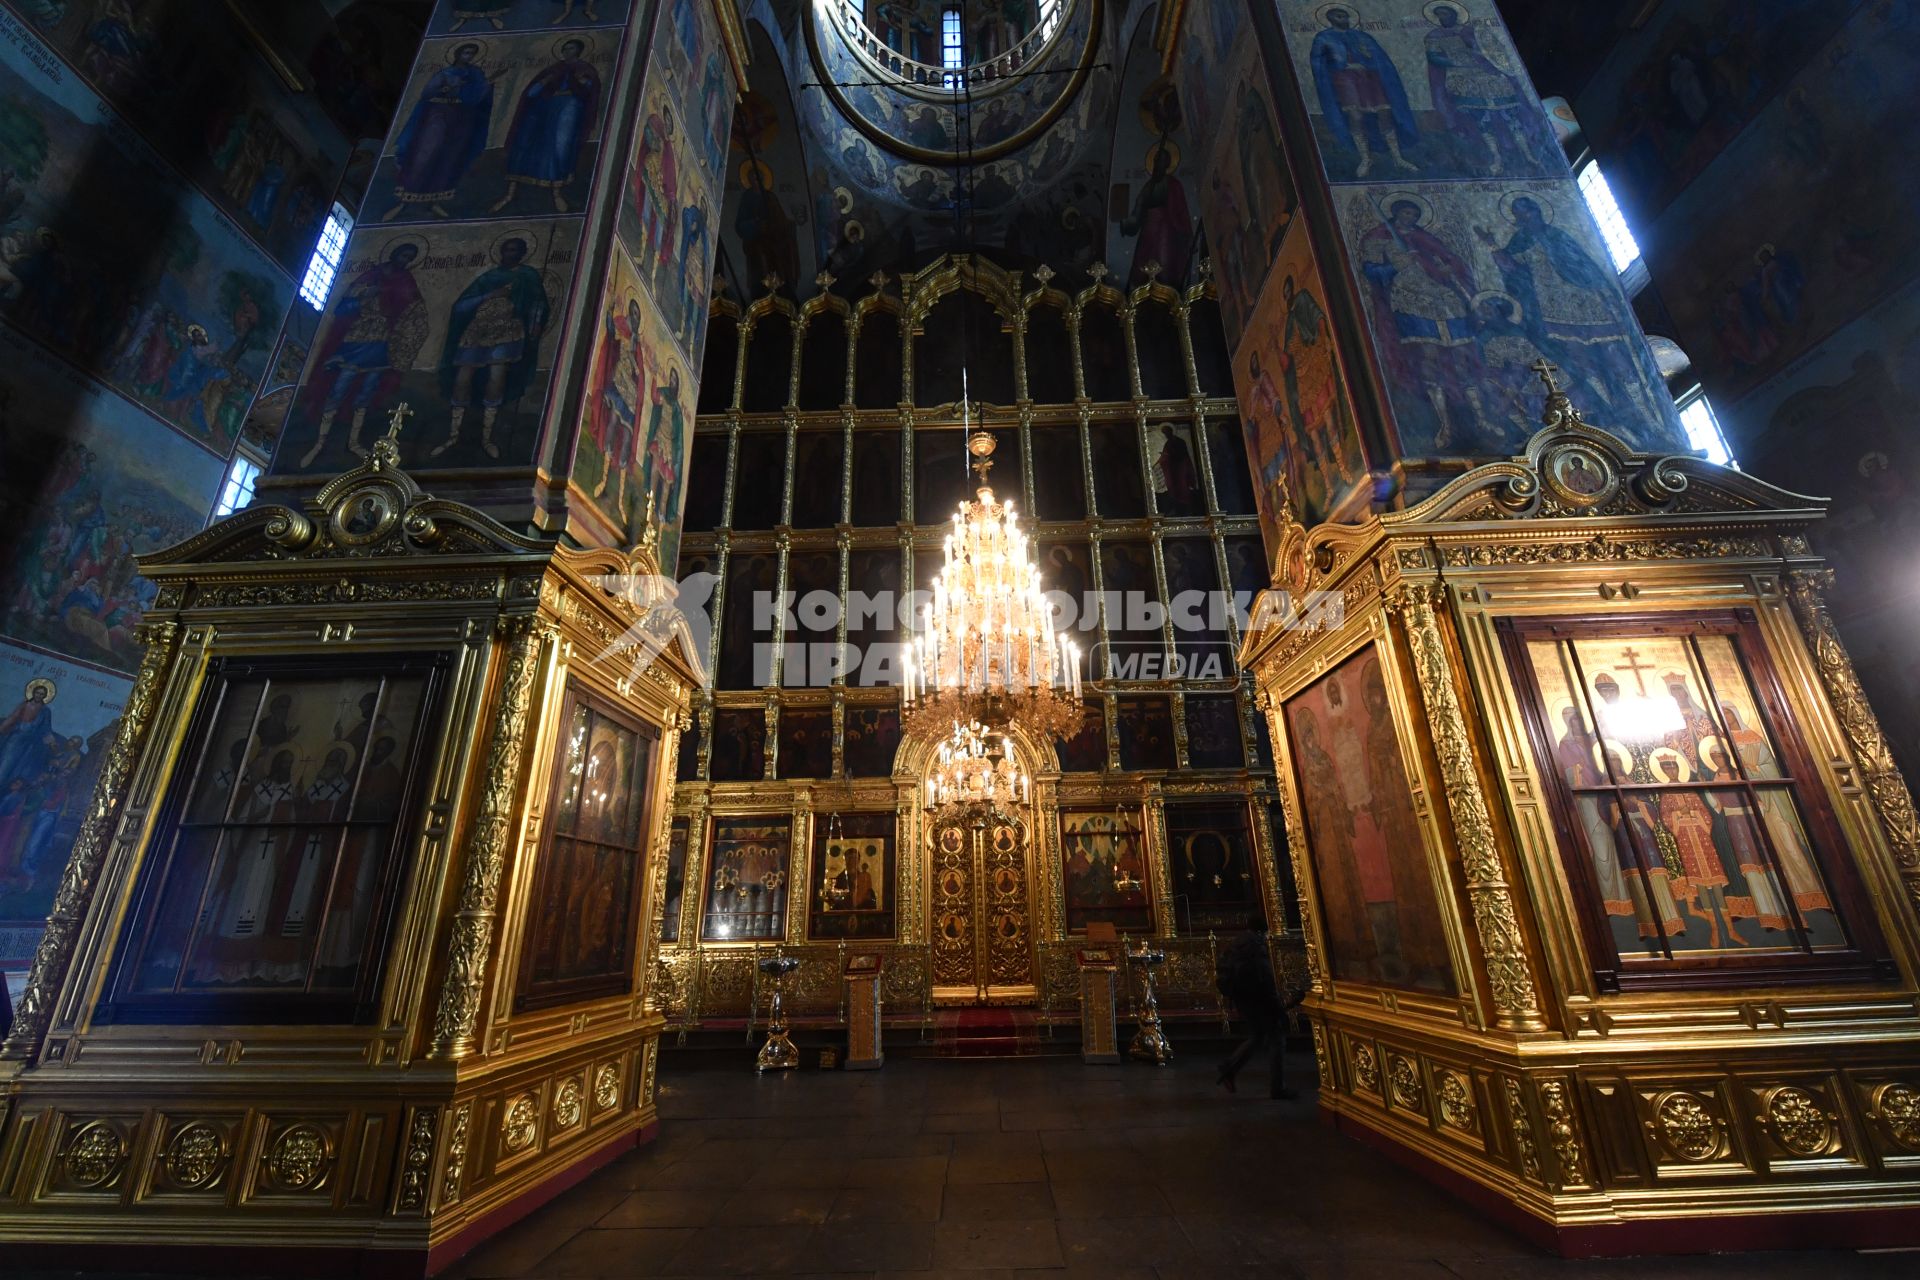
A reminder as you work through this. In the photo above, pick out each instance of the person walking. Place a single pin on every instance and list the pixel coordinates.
(1244, 975)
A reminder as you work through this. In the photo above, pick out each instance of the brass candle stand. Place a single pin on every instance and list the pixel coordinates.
(778, 1053)
(1149, 1038)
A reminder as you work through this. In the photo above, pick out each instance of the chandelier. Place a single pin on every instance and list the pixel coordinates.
(986, 652)
(974, 776)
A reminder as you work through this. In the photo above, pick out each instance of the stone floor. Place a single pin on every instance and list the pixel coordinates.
(1028, 1167)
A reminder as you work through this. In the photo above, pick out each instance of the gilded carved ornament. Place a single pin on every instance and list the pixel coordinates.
(299, 1158)
(1799, 1123)
(471, 936)
(416, 1169)
(1688, 1125)
(1563, 1133)
(1509, 974)
(1522, 1124)
(1880, 776)
(96, 1155)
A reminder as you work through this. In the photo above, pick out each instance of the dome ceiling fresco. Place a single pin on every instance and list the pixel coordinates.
(863, 162)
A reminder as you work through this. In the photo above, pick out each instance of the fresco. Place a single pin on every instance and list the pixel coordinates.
(767, 213)
(1376, 894)
(1151, 211)
(655, 291)
(92, 484)
(1799, 225)
(453, 17)
(1677, 90)
(496, 126)
(1247, 199)
(208, 102)
(1403, 93)
(181, 321)
(57, 719)
(992, 118)
(872, 207)
(456, 322)
(1859, 395)
(1468, 284)
(1212, 41)
(638, 413)
(1302, 441)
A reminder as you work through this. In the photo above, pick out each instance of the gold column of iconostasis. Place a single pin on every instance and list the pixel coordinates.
(1609, 881)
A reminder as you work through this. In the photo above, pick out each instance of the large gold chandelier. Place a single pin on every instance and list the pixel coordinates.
(975, 777)
(986, 652)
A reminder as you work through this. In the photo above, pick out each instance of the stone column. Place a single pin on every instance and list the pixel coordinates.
(530, 275)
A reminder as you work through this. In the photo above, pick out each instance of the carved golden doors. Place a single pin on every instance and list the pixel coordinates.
(982, 926)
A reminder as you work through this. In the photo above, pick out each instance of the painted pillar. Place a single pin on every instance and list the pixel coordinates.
(1386, 310)
(530, 273)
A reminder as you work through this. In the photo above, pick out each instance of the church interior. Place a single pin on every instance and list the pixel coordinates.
(1153, 637)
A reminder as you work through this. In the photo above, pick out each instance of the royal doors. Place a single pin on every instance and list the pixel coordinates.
(981, 919)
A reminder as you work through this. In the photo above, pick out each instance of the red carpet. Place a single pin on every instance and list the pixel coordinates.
(986, 1033)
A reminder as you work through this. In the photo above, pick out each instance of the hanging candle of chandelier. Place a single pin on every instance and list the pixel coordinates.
(985, 650)
(974, 776)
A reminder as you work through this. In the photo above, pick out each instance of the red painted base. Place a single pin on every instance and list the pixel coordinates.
(1722, 1233)
(316, 1262)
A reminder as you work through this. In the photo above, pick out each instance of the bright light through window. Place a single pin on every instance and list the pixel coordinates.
(1703, 430)
(1606, 211)
(952, 56)
(326, 258)
(238, 491)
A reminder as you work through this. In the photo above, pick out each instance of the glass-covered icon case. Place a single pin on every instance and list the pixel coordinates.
(269, 884)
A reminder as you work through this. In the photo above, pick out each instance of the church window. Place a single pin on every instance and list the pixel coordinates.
(237, 492)
(952, 54)
(325, 263)
(1621, 246)
(1703, 429)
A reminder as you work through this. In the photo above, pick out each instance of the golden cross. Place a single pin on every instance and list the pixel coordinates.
(1634, 665)
(397, 419)
(1546, 369)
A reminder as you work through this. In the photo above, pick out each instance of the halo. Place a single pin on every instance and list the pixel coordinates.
(1546, 205)
(1712, 742)
(1661, 754)
(1487, 295)
(1622, 758)
(760, 167)
(454, 52)
(1173, 154)
(353, 752)
(843, 200)
(41, 682)
(1413, 198)
(519, 233)
(418, 242)
(629, 297)
(854, 231)
(585, 41)
(1322, 12)
(1160, 86)
(1432, 7)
